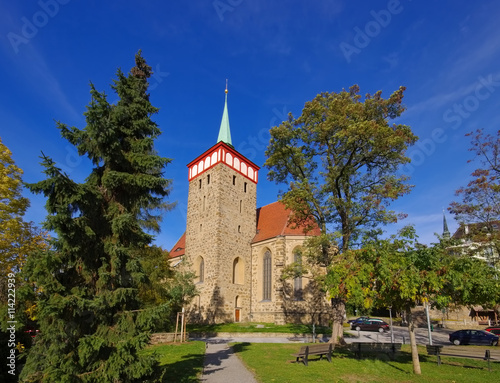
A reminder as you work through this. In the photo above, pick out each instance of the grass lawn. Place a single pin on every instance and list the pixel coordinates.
(180, 362)
(272, 362)
(256, 327)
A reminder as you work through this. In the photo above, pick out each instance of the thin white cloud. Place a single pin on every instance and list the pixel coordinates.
(28, 66)
(471, 57)
(478, 52)
(38, 77)
(423, 219)
(442, 100)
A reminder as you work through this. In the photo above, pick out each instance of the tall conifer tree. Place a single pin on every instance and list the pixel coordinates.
(91, 326)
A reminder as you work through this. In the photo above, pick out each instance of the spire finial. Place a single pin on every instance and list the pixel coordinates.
(224, 131)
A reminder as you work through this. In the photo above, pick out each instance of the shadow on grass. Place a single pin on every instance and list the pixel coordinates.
(187, 370)
(240, 347)
(401, 357)
(404, 357)
(308, 329)
(479, 364)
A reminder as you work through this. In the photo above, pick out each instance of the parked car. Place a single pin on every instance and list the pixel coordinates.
(371, 324)
(363, 320)
(473, 337)
(357, 320)
(494, 330)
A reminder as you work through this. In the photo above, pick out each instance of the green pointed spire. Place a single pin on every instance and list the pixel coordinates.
(446, 232)
(224, 131)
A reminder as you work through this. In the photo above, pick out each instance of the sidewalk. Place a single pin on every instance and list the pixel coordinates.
(222, 365)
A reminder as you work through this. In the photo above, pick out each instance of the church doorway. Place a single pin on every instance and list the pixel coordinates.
(237, 309)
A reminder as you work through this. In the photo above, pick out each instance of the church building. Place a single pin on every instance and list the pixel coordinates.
(238, 251)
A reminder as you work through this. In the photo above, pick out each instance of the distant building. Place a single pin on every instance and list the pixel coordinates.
(239, 252)
(481, 240)
(478, 240)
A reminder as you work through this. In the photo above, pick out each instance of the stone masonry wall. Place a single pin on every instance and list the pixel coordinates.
(221, 223)
(283, 307)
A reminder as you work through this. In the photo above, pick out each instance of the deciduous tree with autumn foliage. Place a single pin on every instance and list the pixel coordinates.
(340, 161)
(479, 207)
(17, 237)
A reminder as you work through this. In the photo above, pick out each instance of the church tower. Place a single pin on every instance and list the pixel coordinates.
(221, 223)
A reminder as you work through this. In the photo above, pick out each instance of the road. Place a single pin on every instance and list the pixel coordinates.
(439, 336)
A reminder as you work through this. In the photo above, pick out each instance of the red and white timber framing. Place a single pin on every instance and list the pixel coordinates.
(221, 152)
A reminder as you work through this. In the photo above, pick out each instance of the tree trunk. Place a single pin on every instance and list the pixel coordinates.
(338, 307)
(413, 343)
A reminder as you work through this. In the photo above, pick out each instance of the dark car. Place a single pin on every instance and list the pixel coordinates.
(494, 330)
(355, 323)
(473, 337)
(357, 320)
(371, 325)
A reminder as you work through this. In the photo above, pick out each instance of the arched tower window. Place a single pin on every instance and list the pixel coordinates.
(200, 269)
(297, 282)
(266, 277)
(238, 271)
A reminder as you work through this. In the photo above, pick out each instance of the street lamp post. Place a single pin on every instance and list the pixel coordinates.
(428, 322)
(390, 316)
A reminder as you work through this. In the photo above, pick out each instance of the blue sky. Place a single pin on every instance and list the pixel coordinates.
(277, 56)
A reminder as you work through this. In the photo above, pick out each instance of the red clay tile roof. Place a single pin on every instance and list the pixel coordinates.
(179, 248)
(272, 220)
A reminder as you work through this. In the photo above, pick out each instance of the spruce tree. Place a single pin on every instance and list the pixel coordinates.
(92, 328)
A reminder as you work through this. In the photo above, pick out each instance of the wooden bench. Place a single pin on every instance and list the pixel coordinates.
(456, 352)
(389, 349)
(315, 349)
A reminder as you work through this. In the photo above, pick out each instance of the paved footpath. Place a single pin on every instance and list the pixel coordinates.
(222, 365)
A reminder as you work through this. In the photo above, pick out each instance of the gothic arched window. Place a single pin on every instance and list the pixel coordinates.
(202, 270)
(297, 281)
(266, 277)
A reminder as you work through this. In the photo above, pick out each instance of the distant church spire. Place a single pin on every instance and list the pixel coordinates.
(446, 232)
(224, 131)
